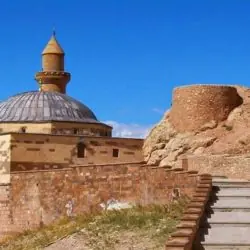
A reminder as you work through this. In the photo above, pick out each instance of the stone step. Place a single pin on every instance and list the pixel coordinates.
(230, 191)
(224, 225)
(240, 202)
(224, 235)
(236, 198)
(225, 209)
(232, 186)
(229, 179)
(228, 182)
(222, 247)
(219, 177)
(234, 217)
(227, 222)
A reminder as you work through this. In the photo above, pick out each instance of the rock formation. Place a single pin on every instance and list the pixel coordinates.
(203, 119)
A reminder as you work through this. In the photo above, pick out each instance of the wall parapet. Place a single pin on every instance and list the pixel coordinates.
(41, 197)
(232, 166)
(187, 229)
(70, 167)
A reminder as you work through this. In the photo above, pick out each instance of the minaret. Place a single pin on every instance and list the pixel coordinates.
(53, 77)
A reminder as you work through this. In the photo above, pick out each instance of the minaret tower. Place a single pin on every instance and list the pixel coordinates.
(53, 77)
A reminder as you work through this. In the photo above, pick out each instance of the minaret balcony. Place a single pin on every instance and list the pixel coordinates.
(50, 75)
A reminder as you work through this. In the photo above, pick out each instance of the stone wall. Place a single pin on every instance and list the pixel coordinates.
(40, 197)
(6, 222)
(40, 151)
(63, 128)
(5, 150)
(44, 128)
(223, 165)
(193, 106)
(81, 129)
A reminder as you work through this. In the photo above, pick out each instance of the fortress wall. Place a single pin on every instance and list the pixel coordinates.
(40, 197)
(195, 105)
(225, 165)
(40, 151)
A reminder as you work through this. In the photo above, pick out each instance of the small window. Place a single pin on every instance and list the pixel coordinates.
(115, 152)
(75, 131)
(80, 150)
(23, 129)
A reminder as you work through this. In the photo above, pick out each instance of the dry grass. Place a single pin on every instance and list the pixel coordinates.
(154, 221)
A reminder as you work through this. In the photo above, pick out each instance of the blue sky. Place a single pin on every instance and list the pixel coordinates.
(126, 56)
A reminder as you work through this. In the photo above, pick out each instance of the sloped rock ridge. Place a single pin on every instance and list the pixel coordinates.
(203, 120)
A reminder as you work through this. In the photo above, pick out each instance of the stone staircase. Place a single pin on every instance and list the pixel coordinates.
(226, 222)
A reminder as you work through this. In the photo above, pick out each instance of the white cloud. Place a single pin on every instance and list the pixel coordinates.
(129, 130)
(158, 111)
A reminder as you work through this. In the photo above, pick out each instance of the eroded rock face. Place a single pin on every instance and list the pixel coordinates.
(166, 143)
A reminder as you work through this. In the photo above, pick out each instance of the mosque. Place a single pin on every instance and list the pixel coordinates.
(50, 110)
(56, 158)
(46, 128)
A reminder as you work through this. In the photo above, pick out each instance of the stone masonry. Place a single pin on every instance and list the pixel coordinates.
(36, 198)
(193, 106)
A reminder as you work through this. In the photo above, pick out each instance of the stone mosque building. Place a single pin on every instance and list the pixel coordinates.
(56, 158)
(47, 129)
(50, 110)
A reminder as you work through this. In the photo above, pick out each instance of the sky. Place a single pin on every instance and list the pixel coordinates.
(127, 56)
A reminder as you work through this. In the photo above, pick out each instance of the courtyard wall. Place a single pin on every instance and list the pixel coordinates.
(38, 197)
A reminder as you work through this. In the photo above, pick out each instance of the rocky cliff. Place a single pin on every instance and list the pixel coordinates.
(203, 120)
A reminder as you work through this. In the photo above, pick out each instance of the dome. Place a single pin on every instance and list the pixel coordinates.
(39, 106)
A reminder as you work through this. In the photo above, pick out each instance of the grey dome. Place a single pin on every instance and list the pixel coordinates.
(39, 106)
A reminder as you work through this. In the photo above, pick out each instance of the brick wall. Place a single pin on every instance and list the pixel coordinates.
(225, 165)
(40, 151)
(39, 197)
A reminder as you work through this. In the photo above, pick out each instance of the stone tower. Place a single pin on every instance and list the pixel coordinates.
(53, 77)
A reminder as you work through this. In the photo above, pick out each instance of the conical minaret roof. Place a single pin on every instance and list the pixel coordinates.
(53, 47)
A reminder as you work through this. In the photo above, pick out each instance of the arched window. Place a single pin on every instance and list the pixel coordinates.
(80, 150)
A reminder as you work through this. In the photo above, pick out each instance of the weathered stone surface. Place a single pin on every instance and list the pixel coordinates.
(227, 135)
(209, 125)
(36, 198)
